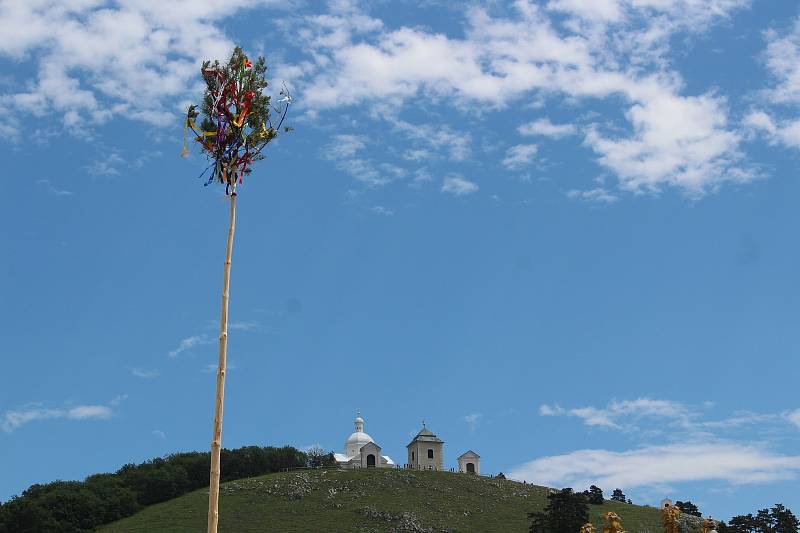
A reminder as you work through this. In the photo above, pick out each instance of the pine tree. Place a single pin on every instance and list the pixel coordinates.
(566, 512)
(618, 496)
(594, 495)
(764, 522)
(784, 521)
(688, 507)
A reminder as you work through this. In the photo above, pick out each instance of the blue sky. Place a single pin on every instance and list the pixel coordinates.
(563, 233)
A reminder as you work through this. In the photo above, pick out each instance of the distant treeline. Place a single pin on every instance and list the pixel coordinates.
(80, 506)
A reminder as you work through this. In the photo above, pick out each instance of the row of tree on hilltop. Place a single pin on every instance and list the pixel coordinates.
(567, 511)
(595, 496)
(81, 506)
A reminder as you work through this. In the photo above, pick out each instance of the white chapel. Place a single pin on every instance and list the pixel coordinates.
(360, 451)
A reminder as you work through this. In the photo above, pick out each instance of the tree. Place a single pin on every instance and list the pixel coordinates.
(79, 507)
(779, 519)
(236, 127)
(742, 524)
(566, 512)
(319, 458)
(784, 520)
(23, 515)
(618, 496)
(594, 495)
(764, 521)
(688, 507)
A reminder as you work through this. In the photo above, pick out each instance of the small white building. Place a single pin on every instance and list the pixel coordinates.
(360, 451)
(469, 462)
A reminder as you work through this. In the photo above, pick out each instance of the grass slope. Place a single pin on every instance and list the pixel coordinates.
(366, 501)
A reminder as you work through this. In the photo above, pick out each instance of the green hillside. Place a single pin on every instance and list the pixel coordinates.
(365, 501)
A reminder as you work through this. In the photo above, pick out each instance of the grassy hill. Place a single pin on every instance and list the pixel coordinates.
(365, 501)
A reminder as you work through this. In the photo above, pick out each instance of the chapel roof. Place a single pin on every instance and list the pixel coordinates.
(469, 452)
(424, 435)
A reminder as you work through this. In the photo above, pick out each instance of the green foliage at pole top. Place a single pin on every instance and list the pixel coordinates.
(236, 122)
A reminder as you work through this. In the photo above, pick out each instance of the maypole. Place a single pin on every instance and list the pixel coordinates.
(236, 127)
(222, 365)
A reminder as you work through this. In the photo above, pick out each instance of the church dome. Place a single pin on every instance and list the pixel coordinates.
(354, 442)
(359, 437)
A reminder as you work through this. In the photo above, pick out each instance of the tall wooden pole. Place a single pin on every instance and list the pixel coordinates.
(216, 441)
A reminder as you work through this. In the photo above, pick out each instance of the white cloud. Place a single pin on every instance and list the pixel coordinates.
(605, 10)
(693, 15)
(83, 412)
(551, 410)
(159, 434)
(783, 61)
(597, 195)
(417, 154)
(472, 420)
(782, 57)
(458, 186)
(679, 141)
(381, 210)
(759, 120)
(595, 417)
(794, 417)
(545, 128)
(676, 140)
(98, 59)
(682, 420)
(190, 342)
(656, 466)
(110, 165)
(695, 449)
(52, 189)
(345, 146)
(619, 414)
(422, 176)
(16, 418)
(101, 59)
(343, 150)
(741, 419)
(144, 373)
(244, 325)
(519, 156)
(431, 138)
(786, 132)
(118, 400)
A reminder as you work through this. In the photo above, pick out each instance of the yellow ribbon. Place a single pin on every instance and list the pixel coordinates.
(185, 152)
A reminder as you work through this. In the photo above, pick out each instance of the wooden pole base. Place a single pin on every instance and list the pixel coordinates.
(216, 441)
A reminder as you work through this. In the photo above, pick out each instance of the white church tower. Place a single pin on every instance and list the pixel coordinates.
(426, 451)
